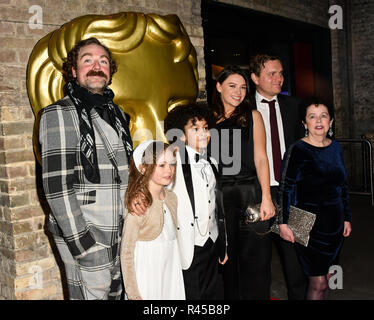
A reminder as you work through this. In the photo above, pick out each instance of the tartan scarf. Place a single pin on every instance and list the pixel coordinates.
(84, 101)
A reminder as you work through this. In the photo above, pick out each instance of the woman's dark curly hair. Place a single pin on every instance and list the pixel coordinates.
(315, 100)
(243, 111)
(72, 58)
(178, 118)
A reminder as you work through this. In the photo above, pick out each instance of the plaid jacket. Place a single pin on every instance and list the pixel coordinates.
(83, 213)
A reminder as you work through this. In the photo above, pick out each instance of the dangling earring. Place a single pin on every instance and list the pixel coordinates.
(330, 131)
(306, 132)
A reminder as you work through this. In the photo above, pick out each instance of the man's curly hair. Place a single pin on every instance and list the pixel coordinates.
(178, 117)
(72, 58)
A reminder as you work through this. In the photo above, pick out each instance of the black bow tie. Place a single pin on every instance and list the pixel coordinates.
(199, 156)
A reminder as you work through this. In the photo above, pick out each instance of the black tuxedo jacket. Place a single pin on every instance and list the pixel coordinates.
(293, 129)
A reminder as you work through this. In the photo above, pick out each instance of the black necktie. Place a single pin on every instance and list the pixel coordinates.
(275, 144)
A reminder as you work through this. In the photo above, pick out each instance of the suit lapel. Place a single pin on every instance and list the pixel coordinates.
(220, 215)
(215, 171)
(186, 167)
(287, 130)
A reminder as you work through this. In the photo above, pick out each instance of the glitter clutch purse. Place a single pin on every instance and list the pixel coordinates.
(300, 222)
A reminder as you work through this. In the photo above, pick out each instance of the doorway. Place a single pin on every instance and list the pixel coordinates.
(233, 34)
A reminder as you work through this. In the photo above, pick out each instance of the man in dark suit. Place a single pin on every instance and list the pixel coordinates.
(283, 127)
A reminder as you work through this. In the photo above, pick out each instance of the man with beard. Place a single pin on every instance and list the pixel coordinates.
(85, 147)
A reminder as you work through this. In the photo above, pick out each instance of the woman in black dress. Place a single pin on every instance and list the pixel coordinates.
(314, 179)
(240, 148)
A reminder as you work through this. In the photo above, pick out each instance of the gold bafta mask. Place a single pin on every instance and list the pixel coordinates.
(157, 67)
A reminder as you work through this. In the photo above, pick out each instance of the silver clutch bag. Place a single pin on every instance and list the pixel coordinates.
(300, 222)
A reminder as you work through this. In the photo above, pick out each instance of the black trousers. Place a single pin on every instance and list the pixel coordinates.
(247, 273)
(201, 280)
(296, 280)
(255, 261)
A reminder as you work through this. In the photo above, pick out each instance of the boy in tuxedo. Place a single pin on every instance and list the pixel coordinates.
(201, 225)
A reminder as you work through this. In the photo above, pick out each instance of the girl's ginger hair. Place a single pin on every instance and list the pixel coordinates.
(138, 182)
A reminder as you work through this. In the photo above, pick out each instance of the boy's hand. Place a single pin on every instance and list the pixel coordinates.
(224, 260)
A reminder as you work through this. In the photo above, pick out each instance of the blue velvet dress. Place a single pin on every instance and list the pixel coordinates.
(314, 179)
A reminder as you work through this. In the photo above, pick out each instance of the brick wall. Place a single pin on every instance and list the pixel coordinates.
(341, 69)
(23, 243)
(362, 29)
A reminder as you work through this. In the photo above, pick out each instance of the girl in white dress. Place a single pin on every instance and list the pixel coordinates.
(150, 259)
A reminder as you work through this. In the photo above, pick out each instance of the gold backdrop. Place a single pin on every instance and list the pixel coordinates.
(157, 67)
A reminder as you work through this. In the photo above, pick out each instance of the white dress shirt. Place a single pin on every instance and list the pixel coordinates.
(263, 108)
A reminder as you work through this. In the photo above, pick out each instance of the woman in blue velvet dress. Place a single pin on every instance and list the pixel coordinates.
(314, 179)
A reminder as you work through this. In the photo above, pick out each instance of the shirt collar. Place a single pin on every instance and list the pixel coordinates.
(191, 153)
(259, 97)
